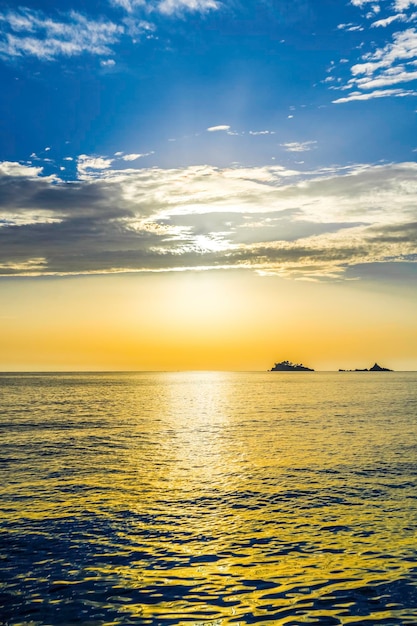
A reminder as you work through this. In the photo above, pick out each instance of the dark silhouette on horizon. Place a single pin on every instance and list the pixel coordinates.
(287, 366)
(374, 368)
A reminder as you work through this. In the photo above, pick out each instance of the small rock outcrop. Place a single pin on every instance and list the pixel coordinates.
(374, 368)
(378, 368)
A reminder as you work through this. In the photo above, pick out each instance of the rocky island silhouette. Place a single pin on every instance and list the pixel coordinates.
(374, 368)
(287, 366)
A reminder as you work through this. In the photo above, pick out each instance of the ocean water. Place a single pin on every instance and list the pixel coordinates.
(208, 498)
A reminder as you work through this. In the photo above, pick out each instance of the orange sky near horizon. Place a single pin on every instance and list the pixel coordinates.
(214, 320)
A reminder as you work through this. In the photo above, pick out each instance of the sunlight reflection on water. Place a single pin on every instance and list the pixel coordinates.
(209, 498)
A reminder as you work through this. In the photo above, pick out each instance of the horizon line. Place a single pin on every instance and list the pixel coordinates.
(177, 371)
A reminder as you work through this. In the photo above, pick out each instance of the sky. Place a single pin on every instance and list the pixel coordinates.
(208, 184)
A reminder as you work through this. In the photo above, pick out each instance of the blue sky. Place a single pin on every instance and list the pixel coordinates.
(142, 135)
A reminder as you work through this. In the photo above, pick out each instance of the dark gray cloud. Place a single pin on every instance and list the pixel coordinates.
(396, 233)
(20, 194)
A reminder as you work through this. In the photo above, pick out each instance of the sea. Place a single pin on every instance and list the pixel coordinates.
(208, 498)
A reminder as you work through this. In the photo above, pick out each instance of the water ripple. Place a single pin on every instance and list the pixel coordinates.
(208, 500)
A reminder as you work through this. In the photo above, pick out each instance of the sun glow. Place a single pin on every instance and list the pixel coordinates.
(206, 320)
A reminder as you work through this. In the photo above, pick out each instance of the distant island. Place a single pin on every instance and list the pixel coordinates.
(287, 366)
(374, 368)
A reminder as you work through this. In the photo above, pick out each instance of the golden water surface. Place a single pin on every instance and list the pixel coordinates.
(209, 498)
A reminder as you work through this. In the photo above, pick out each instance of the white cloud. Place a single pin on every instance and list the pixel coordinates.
(32, 33)
(386, 79)
(96, 163)
(171, 7)
(402, 5)
(168, 7)
(350, 27)
(128, 5)
(261, 132)
(25, 32)
(360, 3)
(388, 20)
(382, 93)
(11, 168)
(403, 48)
(28, 33)
(214, 129)
(296, 146)
(387, 66)
(134, 27)
(87, 163)
(133, 157)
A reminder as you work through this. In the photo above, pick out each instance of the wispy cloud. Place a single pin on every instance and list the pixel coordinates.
(388, 20)
(87, 163)
(32, 33)
(350, 27)
(214, 129)
(108, 63)
(402, 5)
(361, 3)
(380, 93)
(168, 7)
(390, 65)
(26, 33)
(314, 224)
(134, 157)
(297, 146)
(128, 5)
(173, 7)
